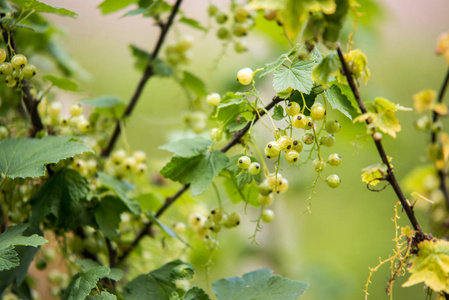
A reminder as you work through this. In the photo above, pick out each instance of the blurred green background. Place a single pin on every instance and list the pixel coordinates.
(349, 227)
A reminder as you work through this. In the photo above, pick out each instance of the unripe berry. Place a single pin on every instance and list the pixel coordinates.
(2, 55)
(76, 110)
(273, 149)
(317, 112)
(264, 188)
(216, 134)
(274, 180)
(179, 228)
(240, 46)
(64, 121)
(80, 166)
(217, 214)
(241, 13)
(327, 140)
(141, 168)
(240, 30)
(185, 42)
(17, 75)
(212, 9)
(254, 168)
(4, 132)
(299, 121)
(244, 162)
(332, 126)
(54, 109)
(285, 143)
(267, 215)
(49, 255)
(40, 264)
(291, 156)
(245, 76)
(118, 156)
(196, 220)
(83, 126)
(232, 220)
(333, 181)
(10, 81)
(29, 71)
(281, 187)
(293, 108)
(221, 17)
(334, 160)
(265, 200)
(6, 69)
(140, 156)
(18, 61)
(223, 33)
(297, 146)
(309, 123)
(319, 165)
(308, 138)
(213, 99)
(129, 163)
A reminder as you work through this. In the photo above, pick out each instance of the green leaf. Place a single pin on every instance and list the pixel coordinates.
(61, 197)
(231, 110)
(194, 83)
(102, 296)
(278, 112)
(107, 214)
(160, 68)
(82, 283)
(198, 171)
(324, 70)
(141, 57)
(335, 21)
(13, 236)
(298, 76)
(158, 284)
(149, 201)
(188, 147)
(237, 124)
(260, 284)
(271, 67)
(120, 189)
(193, 23)
(88, 264)
(37, 6)
(17, 274)
(63, 83)
(24, 157)
(339, 101)
(103, 102)
(347, 92)
(195, 293)
(110, 6)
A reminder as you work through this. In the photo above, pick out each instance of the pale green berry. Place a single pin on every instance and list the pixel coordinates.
(245, 76)
(80, 166)
(118, 156)
(308, 138)
(216, 134)
(333, 181)
(216, 214)
(179, 228)
(266, 200)
(185, 42)
(4, 132)
(274, 180)
(244, 162)
(92, 166)
(49, 255)
(212, 9)
(130, 163)
(297, 146)
(267, 215)
(64, 121)
(10, 81)
(232, 220)
(332, 126)
(240, 46)
(2, 55)
(54, 109)
(317, 112)
(319, 165)
(223, 33)
(282, 186)
(213, 99)
(196, 220)
(76, 110)
(334, 160)
(19, 61)
(215, 227)
(240, 29)
(17, 75)
(141, 168)
(140, 156)
(272, 150)
(327, 140)
(291, 156)
(83, 125)
(221, 17)
(308, 123)
(29, 71)
(293, 108)
(285, 143)
(241, 13)
(264, 188)
(254, 168)
(6, 69)
(299, 121)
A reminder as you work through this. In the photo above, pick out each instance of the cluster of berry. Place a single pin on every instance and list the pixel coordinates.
(121, 163)
(16, 70)
(75, 123)
(178, 52)
(241, 22)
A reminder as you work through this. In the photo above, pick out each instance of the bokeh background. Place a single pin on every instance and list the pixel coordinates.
(349, 227)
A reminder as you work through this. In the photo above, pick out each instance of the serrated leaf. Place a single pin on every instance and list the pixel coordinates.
(339, 101)
(297, 76)
(308, 98)
(158, 284)
(8, 258)
(231, 110)
(38, 6)
(335, 21)
(82, 283)
(110, 6)
(25, 157)
(198, 171)
(61, 197)
(194, 83)
(102, 296)
(195, 293)
(88, 264)
(237, 124)
(120, 189)
(271, 67)
(188, 147)
(258, 285)
(107, 214)
(278, 112)
(193, 23)
(63, 83)
(17, 274)
(324, 70)
(372, 174)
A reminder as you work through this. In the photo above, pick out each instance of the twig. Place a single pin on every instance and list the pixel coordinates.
(391, 178)
(170, 200)
(147, 74)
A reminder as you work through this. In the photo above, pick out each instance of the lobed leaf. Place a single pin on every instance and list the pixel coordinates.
(38, 6)
(63, 83)
(297, 76)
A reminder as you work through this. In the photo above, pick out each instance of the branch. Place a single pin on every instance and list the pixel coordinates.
(29, 101)
(147, 74)
(433, 139)
(170, 200)
(391, 178)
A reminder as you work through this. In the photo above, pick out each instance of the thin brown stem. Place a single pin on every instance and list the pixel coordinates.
(170, 200)
(391, 178)
(147, 74)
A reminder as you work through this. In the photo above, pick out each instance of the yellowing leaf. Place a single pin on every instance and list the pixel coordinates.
(358, 63)
(440, 108)
(424, 100)
(443, 46)
(407, 231)
(431, 266)
(384, 105)
(388, 123)
(372, 173)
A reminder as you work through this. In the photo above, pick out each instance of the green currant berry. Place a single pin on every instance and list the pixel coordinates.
(223, 33)
(4, 132)
(129, 164)
(245, 76)
(232, 220)
(267, 215)
(140, 156)
(141, 168)
(6, 69)
(282, 186)
(10, 82)
(83, 126)
(196, 220)
(241, 13)
(17, 75)
(264, 188)
(265, 200)
(76, 110)
(80, 166)
(240, 29)
(185, 42)
(221, 17)
(274, 180)
(254, 168)
(215, 227)
(317, 112)
(240, 46)
(40, 264)
(179, 228)
(297, 146)
(213, 99)
(54, 109)
(212, 9)
(285, 143)
(2, 55)
(29, 71)
(332, 126)
(319, 165)
(217, 214)
(92, 166)
(244, 162)
(216, 134)
(309, 123)
(299, 121)
(333, 181)
(273, 149)
(49, 255)
(293, 108)
(118, 156)
(270, 14)
(308, 138)
(210, 243)
(334, 160)
(327, 140)
(19, 61)
(291, 156)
